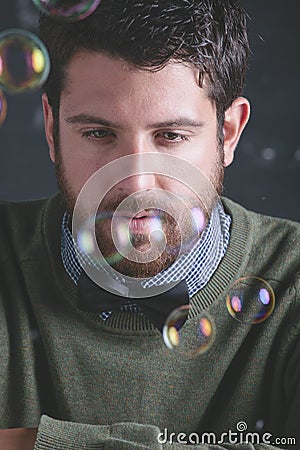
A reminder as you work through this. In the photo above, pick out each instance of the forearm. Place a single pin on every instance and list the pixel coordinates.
(57, 435)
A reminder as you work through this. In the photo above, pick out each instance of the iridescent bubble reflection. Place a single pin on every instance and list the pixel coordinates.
(67, 10)
(191, 340)
(24, 61)
(250, 300)
(86, 243)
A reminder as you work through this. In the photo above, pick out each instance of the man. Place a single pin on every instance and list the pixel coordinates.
(135, 79)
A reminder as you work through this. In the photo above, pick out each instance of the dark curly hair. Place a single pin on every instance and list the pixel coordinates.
(210, 34)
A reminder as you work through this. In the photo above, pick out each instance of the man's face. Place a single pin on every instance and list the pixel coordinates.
(110, 109)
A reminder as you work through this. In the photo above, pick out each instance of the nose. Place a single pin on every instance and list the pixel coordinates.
(144, 177)
(140, 182)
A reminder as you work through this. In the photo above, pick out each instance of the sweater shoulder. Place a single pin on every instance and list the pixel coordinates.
(273, 241)
(264, 225)
(22, 226)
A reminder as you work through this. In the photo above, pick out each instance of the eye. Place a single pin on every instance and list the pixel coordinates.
(173, 137)
(97, 134)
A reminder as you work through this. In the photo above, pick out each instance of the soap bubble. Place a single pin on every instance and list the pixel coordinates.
(67, 10)
(24, 61)
(191, 340)
(250, 300)
(3, 108)
(141, 234)
(259, 425)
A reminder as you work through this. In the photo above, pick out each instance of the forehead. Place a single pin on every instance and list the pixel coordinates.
(108, 62)
(94, 79)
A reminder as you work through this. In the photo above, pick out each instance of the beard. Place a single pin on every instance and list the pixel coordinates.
(179, 237)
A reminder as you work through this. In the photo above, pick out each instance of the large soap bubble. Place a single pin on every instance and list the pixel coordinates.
(24, 61)
(67, 10)
(136, 237)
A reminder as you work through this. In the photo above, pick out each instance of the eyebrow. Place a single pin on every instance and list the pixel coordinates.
(179, 122)
(87, 118)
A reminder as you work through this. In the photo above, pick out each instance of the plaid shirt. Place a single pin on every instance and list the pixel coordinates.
(195, 267)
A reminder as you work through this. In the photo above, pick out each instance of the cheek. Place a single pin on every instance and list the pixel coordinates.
(205, 154)
(77, 168)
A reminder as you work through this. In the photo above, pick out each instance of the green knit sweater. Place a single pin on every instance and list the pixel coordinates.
(115, 385)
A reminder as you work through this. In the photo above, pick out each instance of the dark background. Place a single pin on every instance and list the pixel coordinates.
(266, 172)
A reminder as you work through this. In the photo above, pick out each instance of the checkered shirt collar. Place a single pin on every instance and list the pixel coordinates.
(195, 267)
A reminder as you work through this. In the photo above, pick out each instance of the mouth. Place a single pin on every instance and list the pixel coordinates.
(143, 225)
(151, 213)
(144, 222)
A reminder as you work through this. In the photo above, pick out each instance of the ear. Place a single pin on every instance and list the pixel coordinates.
(236, 118)
(48, 123)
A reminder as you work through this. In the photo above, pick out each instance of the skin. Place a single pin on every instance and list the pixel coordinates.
(18, 438)
(110, 109)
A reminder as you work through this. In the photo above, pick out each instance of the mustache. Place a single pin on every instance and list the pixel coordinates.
(162, 203)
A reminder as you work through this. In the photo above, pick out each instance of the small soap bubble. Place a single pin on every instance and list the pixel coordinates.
(297, 155)
(3, 108)
(24, 61)
(268, 154)
(191, 340)
(250, 300)
(67, 10)
(157, 235)
(259, 425)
